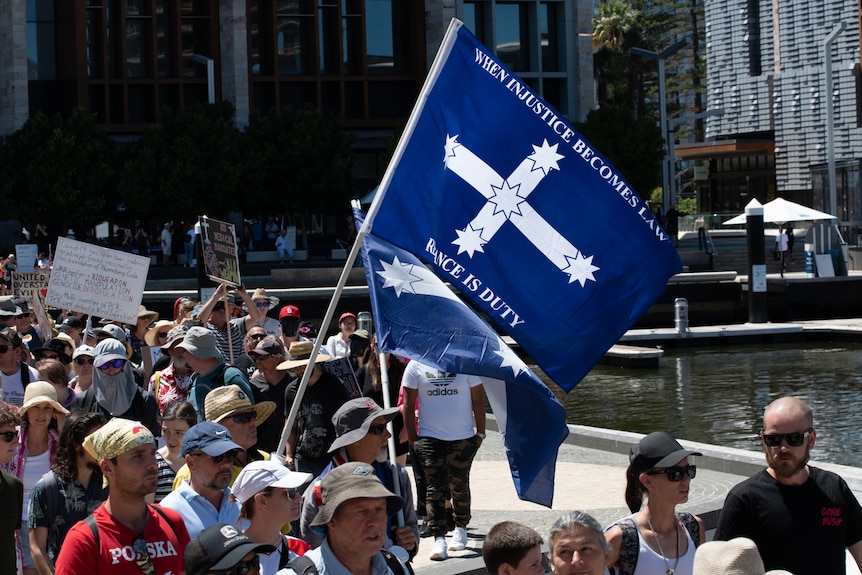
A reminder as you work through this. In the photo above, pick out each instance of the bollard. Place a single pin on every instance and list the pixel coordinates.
(680, 315)
(364, 321)
(809, 260)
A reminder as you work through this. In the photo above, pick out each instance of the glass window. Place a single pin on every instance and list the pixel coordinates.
(512, 36)
(550, 23)
(328, 24)
(378, 37)
(41, 52)
(136, 48)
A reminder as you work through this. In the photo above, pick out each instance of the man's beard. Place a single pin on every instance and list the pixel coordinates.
(180, 363)
(786, 464)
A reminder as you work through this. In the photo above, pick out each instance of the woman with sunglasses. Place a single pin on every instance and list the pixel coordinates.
(41, 418)
(115, 392)
(82, 368)
(270, 495)
(655, 538)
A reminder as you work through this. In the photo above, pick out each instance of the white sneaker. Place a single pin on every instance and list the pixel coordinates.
(438, 551)
(459, 539)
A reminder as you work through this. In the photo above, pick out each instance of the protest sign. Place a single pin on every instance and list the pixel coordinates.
(342, 369)
(28, 285)
(97, 281)
(27, 256)
(221, 261)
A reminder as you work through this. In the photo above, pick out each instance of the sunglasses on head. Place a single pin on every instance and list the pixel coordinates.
(241, 568)
(83, 360)
(378, 429)
(115, 363)
(9, 436)
(231, 455)
(793, 439)
(244, 417)
(675, 474)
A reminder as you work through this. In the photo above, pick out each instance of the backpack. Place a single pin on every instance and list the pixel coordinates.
(90, 520)
(303, 565)
(629, 549)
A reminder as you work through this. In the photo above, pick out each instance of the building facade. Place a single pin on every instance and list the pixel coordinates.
(766, 70)
(364, 60)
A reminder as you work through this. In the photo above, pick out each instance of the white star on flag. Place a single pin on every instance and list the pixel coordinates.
(410, 278)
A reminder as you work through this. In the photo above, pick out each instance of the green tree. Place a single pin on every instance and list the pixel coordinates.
(58, 171)
(634, 147)
(187, 164)
(300, 161)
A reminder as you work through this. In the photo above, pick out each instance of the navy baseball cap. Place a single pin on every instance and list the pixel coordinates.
(209, 437)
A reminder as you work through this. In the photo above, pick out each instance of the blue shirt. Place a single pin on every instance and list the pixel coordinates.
(198, 512)
(327, 564)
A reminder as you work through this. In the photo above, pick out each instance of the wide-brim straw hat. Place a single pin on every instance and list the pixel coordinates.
(223, 402)
(152, 336)
(298, 355)
(147, 313)
(738, 556)
(38, 392)
(260, 293)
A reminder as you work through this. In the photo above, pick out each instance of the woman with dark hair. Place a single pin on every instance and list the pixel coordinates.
(41, 417)
(178, 417)
(68, 494)
(656, 539)
(370, 378)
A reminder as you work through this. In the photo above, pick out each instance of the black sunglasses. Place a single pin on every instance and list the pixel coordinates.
(241, 568)
(378, 429)
(142, 557)
(83, 360)
(9, 436)
(257, 336)
(675, 474)
(218, 458)
(793, 439)
(244, 417)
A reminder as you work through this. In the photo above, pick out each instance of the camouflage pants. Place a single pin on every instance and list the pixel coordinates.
(447, 470)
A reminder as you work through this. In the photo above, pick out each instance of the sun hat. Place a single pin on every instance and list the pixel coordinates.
(360, 334)
(84, 350)
(111, 330)
(258, 475)
(8, 307)
(200, 342)
(65, 337)
(658, 449)
(109, 350)
(175, 336)
(353, 419)
(55, 345)
(289, 311)
(41, 392)
(152, 335)
(298, 354)
(738, 556)
(115, 437)
(269, 345)
(352, 480)
(219, 547)
(210, 437)
(224, 401)
(150, 314)
(346, 315)
(260, 293)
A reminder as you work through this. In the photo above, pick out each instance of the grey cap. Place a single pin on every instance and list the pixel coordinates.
(353, 419)
(352, 480)
(200, 342)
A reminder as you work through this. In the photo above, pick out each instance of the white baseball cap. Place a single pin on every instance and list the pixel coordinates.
(258, 475)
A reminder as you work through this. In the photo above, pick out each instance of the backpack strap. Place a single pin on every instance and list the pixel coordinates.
(629, 548)
(90, 520)
(25, 374)
(691, 525)
(52, 494)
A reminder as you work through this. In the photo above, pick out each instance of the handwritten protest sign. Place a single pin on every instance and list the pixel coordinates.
(220, 256)
(98, 281)
(342, 369)
(27, 255)
(28, 284)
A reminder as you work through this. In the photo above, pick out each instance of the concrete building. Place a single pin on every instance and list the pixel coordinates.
(766, 69)
(364, 60)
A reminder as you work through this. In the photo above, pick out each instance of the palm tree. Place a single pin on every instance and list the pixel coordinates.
(612, 21)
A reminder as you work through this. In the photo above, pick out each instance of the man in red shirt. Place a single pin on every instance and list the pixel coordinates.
(125, 535)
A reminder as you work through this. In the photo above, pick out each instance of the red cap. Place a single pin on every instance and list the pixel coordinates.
(289, 311)
(345, 315)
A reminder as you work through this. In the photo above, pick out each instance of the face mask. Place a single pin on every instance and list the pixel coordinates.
(289, 325)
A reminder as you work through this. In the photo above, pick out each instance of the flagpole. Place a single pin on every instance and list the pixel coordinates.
(390, 444)
(330, 313)
(433, 74)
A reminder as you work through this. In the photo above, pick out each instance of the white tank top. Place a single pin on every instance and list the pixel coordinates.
(651, 563)
(34, 469)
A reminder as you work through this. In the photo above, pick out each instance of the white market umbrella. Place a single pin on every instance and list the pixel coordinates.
(780, 211)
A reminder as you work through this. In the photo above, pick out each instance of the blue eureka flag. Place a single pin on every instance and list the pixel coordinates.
(496, 190)
(417, 316)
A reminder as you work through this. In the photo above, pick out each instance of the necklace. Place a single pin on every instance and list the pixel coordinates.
(670, 571)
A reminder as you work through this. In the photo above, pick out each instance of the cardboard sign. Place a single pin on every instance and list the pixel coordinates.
(28, 285)
(221, 260)
(27, 256)
(97, 281)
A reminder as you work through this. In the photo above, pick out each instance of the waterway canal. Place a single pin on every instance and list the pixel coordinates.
(716, 395)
